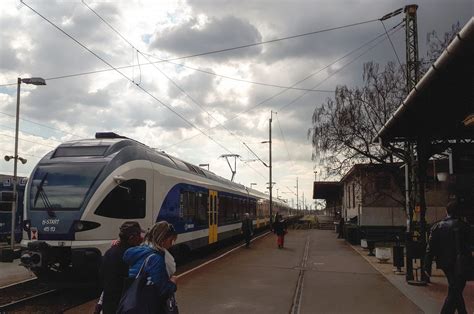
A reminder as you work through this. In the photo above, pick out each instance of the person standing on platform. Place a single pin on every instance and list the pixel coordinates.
(151, 255)
(247, 229)
(449, 245)
(114, 270)
(340, 234)
(280, 229)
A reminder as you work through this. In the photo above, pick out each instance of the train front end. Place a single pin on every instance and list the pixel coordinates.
(62, 240)
(55, 199)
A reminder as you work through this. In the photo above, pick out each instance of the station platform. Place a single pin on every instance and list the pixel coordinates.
(11, 273)
(314, 273)
(264, 279)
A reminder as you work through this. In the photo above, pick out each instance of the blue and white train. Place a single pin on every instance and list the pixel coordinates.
(80, 193)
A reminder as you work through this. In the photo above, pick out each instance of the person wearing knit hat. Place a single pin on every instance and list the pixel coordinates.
(114, 270)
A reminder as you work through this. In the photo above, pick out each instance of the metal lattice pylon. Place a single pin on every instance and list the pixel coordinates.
(411, 29)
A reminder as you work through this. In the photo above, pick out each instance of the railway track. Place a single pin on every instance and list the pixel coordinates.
(34, 297)
(50, 301)
(22, 301)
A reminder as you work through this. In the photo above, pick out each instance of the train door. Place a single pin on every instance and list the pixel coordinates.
(212, 216)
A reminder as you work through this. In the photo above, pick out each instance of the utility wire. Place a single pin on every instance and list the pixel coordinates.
(298, 82)
(126, 77)
(121, 73)
(391, 43)
(28, 140)
(343, 67)
(237, 79)
(284, 141)
(178, 64)
(272, 40)
(164, 74)
(29, 133)
(258, 158)
(43, 125)
(208, 52)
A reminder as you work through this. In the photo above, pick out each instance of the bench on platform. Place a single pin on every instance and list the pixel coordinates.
(381, 234)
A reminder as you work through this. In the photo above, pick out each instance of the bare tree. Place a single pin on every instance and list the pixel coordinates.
(436, 45)
(344, 127)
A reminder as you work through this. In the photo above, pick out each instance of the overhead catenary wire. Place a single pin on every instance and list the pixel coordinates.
(183, 65)
(240, 80)
(394, 30)
(126, 77)
(43, 125)
(30, 141)
(29, 133)
(210, 52)
(122, 74)
(284, 141)
(298, 82)
(164, 74)
(391, 43)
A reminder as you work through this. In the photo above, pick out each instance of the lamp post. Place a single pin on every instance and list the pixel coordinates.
(32, 81)
(252, 184)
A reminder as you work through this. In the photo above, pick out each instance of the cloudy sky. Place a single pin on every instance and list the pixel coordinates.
(196, 108)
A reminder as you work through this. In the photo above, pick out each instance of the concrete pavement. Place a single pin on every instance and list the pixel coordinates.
(264, 279)
(11, 273)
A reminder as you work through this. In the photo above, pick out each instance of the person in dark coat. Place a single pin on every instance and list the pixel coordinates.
(279, 227)
(340, 234)
(113, 269)
(247, 229)
(448, 243)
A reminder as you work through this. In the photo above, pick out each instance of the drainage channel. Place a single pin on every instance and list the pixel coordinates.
(296, 306)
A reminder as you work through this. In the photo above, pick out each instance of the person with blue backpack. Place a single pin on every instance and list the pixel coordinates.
(152, 286)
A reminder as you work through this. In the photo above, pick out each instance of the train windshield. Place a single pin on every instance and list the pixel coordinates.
(62, 186)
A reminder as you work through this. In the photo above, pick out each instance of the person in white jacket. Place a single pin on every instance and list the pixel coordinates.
(171, 269)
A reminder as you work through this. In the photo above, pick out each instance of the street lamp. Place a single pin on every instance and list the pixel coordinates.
(252, 184)
(33, 81)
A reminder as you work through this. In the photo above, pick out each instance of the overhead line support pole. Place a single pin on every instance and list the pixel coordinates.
(270, 186)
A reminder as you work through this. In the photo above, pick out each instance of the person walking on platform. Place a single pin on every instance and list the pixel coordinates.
(449, 245)
(340, 234)
(114, 270)
(280, 229)
(150, 258)
(247, 229)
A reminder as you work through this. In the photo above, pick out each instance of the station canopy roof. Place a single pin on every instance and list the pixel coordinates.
(441, 106)
(324, 190)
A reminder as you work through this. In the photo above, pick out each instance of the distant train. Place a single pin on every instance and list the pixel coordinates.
(6, 200)
(79, 194)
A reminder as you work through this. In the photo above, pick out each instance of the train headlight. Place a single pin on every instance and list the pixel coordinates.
(79, 226)
(82, 225)
(27, 225)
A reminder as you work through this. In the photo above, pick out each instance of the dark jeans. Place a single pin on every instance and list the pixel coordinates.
(454, 300)
(248, 237)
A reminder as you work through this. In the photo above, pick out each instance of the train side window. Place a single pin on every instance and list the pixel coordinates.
(125, 201)
(201, 215)
(221, 209)
(190, 206)
(253, 208)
